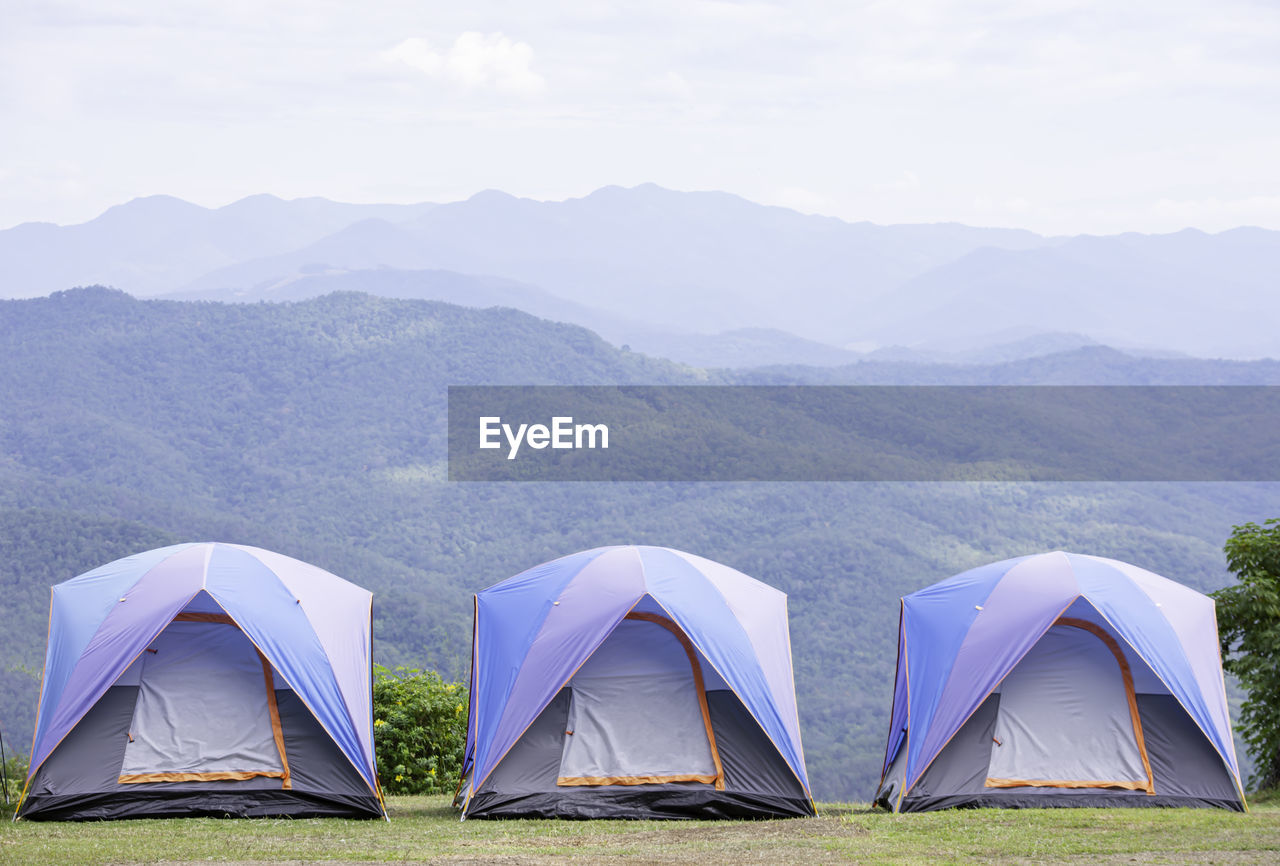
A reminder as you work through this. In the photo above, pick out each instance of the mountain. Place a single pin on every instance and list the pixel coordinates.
(707, 261)
(1205, 295)
(154, 244)
(317, 428)
(316, 280)
(697, 275)
(748, 347)
(1087, 365)
(682, 261)
(738, 349)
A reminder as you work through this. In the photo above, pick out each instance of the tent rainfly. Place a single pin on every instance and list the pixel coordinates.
(632, 682)
(205, 679)
(1059, 680)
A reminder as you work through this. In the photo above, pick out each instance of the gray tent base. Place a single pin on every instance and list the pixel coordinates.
(79, 781)
(202, 803)
(1186, 770)
(641, 803)
(1043, 798)
(758, 782)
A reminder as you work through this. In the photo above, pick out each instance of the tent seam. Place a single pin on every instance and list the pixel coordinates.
(989, 693)
(803, 786)
(525, 730)
(524, 660)
(1172, 693)
(301, 697)
(803, 781)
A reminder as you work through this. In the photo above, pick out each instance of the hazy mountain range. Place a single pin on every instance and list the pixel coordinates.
(707, 278)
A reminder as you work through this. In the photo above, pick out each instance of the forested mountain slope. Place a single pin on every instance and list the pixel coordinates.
(317, 429)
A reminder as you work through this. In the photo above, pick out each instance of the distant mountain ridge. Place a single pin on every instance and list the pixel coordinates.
(152, 245)
(1207, 295)
(703, 261)
(650, 264)
(738, 348)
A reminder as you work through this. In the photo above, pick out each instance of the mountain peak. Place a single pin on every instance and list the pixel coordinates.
(252, 201)
(150, 207)
(647, 189)
(488, 196)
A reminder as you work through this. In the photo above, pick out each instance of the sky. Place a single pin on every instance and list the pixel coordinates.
(1061, 116)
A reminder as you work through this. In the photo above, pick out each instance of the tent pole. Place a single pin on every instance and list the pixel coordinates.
(4, 770)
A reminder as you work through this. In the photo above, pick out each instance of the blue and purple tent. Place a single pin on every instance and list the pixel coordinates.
(1059, 680)
(634, 682)
(205, 679)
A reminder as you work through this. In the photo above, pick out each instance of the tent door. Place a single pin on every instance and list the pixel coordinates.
(206, 708)
(1068, 716)
(638, 711)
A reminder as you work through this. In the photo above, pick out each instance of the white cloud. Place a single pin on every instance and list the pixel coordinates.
(1102, 116)
(476, 60)
(416, 52)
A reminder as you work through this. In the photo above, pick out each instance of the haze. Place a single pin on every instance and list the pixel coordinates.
(1060, 117)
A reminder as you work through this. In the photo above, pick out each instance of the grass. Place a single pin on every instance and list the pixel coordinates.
(424, 829)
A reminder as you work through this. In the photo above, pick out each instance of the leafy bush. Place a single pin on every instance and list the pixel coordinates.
(1249, 630)
(15, 773)
(419, 730)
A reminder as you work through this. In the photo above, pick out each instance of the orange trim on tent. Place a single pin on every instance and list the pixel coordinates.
(201, 616)
(1222, 678)
(277, 730)
(1127, 674)
(942, 748)
(373, 788)
(1065, 783)
(569, 679)
(218, 776)
(803, 786)
(698, 684)
(906, 671)
(1190, 715)
(571, 781)
(471, 693)
(377, 782)
(786, 616)
(31, 771)
(902, 794)
(897, 665)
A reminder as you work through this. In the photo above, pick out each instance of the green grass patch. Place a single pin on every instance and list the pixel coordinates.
(425, 829)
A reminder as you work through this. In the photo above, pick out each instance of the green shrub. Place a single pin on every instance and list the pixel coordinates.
(419, 730)
(15, 774)
(1249, 631)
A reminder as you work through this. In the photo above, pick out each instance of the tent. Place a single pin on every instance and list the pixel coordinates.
(1059, 680)
(205, 679)
(632, 682)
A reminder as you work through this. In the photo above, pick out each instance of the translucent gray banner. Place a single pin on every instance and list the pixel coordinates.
(864, 433)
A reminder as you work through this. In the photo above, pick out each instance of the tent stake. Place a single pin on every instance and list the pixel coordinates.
(4, 770)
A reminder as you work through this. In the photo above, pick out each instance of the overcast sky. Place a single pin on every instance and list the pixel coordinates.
(1058, 116)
